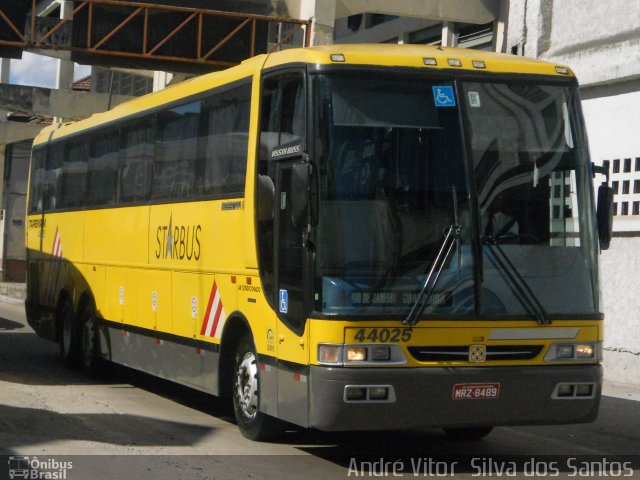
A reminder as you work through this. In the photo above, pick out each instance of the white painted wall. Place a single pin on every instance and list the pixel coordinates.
(601, 42)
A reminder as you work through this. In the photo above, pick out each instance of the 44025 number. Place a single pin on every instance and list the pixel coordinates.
(383, 335)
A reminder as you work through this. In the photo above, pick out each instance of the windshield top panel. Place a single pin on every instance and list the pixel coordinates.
(393, 179)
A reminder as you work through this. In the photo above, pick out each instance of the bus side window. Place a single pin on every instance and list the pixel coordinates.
(176, 152)
(102, 175)
(226, 136)
(52, 181)
(136, 161)
(38, 175)
(74, 174)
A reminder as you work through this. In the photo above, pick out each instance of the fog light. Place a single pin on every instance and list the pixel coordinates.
(329, 353)
(565, 390)
(378, 393)
(356, 354)
(380, 354)
(584, 390)
(584, 351)
(355, 393)
(564, 351)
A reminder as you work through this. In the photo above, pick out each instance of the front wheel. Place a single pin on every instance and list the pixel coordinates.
(468, 433)
(253, 424)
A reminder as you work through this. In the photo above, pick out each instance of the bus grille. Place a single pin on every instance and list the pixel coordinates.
(461, 353)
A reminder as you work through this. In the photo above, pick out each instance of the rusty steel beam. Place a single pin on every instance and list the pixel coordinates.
(97, 45)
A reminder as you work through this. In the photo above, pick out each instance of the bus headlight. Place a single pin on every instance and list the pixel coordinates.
(356, 354)
(360, 355)
(331, 354)
(585, 351)
(577, 352)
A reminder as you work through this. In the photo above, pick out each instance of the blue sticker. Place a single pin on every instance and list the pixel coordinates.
(284, 301)
(443, 96)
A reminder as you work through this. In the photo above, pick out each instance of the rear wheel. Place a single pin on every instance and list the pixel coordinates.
(91, 358)
(253, 424)
(468, 433)
(69, 352)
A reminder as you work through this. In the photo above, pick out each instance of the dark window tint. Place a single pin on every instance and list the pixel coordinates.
(38, 177)
(176, 152)
(102, 172)
(74, 174)
(136, 160)
(226, 120)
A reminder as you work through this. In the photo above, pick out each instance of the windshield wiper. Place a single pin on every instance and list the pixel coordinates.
(526, 296)
(451, 238)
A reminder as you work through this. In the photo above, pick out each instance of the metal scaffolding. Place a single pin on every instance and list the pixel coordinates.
(152, 40)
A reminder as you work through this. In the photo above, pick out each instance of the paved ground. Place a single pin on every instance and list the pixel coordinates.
(135, 426)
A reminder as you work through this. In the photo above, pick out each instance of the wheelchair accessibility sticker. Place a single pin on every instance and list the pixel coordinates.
(443, 96)
(284, 301)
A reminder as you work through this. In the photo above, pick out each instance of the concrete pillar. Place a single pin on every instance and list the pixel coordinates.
(449, 34)
(323, 14)
(5, 70)
(500, 28)
(64, 77)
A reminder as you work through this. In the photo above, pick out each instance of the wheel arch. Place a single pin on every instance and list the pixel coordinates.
(234, 329)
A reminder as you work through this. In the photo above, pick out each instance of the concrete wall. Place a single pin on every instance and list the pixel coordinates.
(620, 267)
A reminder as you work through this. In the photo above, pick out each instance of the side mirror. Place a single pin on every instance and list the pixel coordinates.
(265, 198)
(300, 193)
(604, 215)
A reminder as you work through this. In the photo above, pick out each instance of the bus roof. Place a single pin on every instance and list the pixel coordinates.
(385, 55)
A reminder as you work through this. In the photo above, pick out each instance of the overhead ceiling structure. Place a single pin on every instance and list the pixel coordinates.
(148, 35)
(463, 11)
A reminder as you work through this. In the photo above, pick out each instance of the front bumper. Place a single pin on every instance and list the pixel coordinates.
(423, 397)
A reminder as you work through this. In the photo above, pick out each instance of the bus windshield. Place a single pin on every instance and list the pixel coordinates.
(399, 166)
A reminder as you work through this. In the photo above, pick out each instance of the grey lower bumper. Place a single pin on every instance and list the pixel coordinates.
(424, 397)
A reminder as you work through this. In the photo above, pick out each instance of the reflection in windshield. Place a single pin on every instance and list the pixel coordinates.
(533, 194)
(389, 160)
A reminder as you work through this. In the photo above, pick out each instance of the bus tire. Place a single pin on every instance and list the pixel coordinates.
(90, 355)
(69, 351)
(468, 433)
(253, 424)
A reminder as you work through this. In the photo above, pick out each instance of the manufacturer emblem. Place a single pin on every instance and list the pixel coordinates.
(477, 353)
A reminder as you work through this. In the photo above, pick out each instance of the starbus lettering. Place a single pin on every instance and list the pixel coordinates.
(178, 242)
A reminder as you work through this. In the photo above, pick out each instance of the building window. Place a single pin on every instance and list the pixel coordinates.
(625, 186)
(616, 166)
(615, 208)
(624, 209)
(616, 187)
(636, 208)
(637, 164)
(636, 186)
(627, 165)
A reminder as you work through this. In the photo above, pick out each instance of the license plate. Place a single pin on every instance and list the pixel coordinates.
(475, 391)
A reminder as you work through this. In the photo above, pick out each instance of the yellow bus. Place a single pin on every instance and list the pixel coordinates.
(351, 237)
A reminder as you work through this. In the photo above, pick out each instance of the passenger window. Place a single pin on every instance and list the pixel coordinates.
(226, 120)
(74, 174)
(136, 162)
(102, 172)
(176, 152)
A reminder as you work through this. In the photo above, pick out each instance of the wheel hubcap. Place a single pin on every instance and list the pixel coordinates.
(247, 385)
